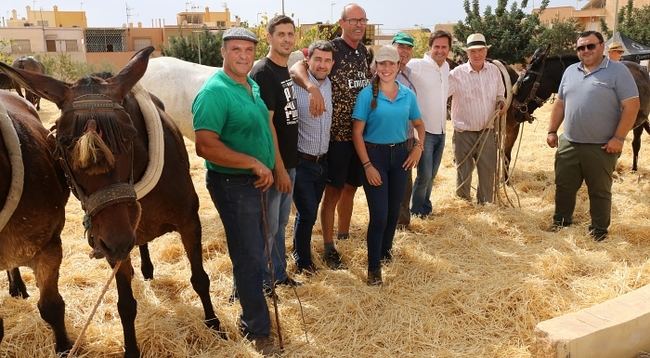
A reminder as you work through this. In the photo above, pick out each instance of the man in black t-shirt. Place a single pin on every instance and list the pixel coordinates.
(349, 75)
(276, 89)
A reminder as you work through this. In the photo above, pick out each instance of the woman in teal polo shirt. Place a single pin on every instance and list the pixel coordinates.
(379, 132)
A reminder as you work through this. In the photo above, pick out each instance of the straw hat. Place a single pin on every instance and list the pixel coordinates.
(615, 46)
(476, 41)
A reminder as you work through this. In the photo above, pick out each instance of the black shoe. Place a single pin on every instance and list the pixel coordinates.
(333, 260)
(374, 278)
(598, 235)
(288, 282)
(309, 270)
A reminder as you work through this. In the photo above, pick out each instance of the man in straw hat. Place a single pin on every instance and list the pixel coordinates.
(598, 102)
(615, 51)
(477, 90)
(231, 123)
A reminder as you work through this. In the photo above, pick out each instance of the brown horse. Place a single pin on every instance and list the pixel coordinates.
(103, 147)
(542, 79)
(29, 63)
(31, 236)
(7, 84)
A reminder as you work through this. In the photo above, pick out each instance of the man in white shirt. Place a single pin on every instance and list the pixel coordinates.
(477, 90)
(430, 77)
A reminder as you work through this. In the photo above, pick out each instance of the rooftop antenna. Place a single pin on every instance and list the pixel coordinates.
(129, 13)
(81, 6)
(187, 6)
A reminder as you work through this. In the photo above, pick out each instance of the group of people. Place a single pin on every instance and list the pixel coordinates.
(313, 133)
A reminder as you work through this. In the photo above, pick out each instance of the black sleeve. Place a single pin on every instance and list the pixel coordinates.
(264, 79)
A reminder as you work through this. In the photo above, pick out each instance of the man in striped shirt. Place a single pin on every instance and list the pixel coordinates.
(477, 90)
(313, 143)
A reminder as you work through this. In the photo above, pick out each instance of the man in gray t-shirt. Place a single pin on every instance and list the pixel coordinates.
(598, 102)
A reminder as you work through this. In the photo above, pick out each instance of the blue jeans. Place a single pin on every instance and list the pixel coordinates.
(307, 194)
(384, 200)
(434, 145)
(240, 207)
(279, 207)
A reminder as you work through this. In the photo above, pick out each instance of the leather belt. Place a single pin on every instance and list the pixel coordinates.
(313, 158)
(390, 145)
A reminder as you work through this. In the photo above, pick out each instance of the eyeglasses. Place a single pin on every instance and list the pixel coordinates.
(589, 47)
(355, 22)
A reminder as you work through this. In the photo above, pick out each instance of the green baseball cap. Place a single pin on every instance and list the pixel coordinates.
(404, 39)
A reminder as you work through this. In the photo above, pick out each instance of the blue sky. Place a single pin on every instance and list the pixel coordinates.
(391, 15)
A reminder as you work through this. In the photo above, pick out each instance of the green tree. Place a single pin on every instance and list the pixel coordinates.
(511, 32)
(202, 47)
(421, 42)
(316, 33)
(633, 23)
(4, 52)
(561, 35)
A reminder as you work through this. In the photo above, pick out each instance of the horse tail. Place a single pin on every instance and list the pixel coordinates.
(92, 154)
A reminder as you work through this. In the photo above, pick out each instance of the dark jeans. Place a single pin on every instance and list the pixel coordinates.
(384, 200)
(575, 163)
(240, 208)
(307, 194)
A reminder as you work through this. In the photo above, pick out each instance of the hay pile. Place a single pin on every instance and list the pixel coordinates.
(469, 281)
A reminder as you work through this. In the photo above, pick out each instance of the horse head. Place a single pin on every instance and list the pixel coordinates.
(525, 99)
(95, 144)
(540, 80)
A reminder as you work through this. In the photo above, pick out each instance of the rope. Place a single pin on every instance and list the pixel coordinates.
(77, 343)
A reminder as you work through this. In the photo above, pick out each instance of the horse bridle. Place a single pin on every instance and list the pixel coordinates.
(110, 195)
(522, 107)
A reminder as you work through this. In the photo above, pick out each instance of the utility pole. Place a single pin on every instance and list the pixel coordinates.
(282, 7)
(332, 12)
(615, 16)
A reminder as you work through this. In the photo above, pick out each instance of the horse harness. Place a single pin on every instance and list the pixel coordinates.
(110, 195)
(522, 107)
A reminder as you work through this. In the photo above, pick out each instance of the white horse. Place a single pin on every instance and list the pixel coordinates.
(176, 83)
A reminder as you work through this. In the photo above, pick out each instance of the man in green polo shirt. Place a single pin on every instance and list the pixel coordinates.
(233, 135)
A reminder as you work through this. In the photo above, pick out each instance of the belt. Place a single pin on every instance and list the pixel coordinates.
(313, 158)
(389, 145)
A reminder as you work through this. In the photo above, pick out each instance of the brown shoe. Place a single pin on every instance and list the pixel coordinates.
(266, 347)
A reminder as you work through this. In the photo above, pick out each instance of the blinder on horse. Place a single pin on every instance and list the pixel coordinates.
(94, 112)
(532, 97)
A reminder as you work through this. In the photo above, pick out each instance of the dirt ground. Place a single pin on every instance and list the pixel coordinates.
(468, 281)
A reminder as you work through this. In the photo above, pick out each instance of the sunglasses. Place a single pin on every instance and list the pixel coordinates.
(589, 47)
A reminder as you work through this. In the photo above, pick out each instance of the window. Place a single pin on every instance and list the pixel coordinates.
(21, 46)
(140, 43)
(221, 24)
(51, 45)
(71, 46)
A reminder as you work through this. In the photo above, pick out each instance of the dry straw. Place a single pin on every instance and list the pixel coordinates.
(468, 281)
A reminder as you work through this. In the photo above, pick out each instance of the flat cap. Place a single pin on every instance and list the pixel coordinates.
(239, 33)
